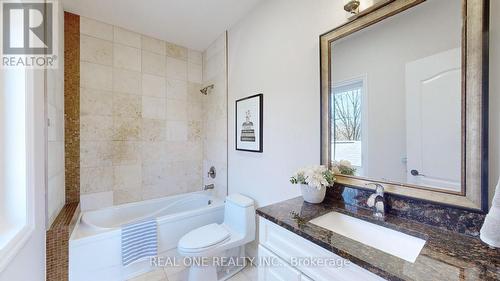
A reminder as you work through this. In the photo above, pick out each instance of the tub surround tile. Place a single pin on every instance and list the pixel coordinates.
(127, 129)
(127, 105)
(177, 131)
(153, 45)
(195, 73)
(121, 196)
(126, 37)
(176, 51)
(96, 179)
(57, 243)
(195, 57)
(136, 112)
(72, 83)
(177, 89)
(176, 110)
(126, 57)
(176, 69)
(95, 201)
(96, 50)
(96, 76)
(95, 154)
(211, 109)
(96, 102)
(96, 128)
(154, 108)
(154, 86)
(96, 29)
(127, 81)
(153, 63)
(154, 152)
(446, 255)
(126, 153)
(153, 130)
(127, 177)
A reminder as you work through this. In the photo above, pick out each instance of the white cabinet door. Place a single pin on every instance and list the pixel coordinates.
(272, 268)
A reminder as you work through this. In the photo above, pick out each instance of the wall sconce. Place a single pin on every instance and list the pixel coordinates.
(352, 6)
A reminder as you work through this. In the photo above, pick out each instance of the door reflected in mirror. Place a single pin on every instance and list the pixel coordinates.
(396, 98)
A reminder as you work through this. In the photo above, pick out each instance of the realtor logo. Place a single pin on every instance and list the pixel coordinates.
(27, 34)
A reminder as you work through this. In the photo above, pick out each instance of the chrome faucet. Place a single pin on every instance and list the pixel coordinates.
(377, 200)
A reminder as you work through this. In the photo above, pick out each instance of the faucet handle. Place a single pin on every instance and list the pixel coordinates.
(379, 189)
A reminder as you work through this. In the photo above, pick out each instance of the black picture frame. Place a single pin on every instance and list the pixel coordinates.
(260, 124)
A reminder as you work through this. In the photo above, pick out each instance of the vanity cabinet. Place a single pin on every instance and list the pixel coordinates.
(283, 255)
(279, 270)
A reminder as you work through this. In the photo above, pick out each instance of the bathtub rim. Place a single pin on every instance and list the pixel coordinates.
(104, 233)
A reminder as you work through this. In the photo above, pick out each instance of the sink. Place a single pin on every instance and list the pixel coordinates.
(393, 242)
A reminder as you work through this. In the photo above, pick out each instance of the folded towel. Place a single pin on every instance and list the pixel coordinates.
(490, 232)
(139, 240)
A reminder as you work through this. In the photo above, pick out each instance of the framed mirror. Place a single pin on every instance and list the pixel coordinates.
(404, 99)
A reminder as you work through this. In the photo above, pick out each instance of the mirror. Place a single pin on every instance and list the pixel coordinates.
(402, 95)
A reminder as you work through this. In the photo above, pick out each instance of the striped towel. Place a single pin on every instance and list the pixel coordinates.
(139, 240)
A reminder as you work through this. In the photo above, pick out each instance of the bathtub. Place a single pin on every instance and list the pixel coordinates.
(95, 244)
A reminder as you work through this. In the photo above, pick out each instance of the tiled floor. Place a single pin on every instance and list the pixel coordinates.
(180, 274)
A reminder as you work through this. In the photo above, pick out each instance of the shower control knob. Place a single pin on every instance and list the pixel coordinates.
(212, 173)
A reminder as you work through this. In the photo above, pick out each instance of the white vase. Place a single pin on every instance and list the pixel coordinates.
(312, 194)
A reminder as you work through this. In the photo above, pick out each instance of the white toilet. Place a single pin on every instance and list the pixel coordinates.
(212, 240)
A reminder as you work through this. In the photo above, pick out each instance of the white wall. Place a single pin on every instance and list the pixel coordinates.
(55, 131)
(275, 50)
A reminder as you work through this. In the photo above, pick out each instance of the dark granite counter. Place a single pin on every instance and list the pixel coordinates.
(446, 255)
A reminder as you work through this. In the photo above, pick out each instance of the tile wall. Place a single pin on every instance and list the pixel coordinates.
(215, 113)
(141, 114)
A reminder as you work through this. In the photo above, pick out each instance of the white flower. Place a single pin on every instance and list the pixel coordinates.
(345, 163)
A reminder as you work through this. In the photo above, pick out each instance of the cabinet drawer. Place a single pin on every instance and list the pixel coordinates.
(272, 268)
(289, 246)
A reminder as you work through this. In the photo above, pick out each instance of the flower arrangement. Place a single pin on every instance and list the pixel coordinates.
(343, 167)
(313, 176)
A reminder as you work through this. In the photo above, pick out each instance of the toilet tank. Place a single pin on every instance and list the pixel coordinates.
(239, 214)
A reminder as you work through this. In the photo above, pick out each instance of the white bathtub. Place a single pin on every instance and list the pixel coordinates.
(95, 244)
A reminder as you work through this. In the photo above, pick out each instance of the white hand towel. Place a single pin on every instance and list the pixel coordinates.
(490, 232)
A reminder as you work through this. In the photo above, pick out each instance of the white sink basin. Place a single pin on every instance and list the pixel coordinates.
(393, 242)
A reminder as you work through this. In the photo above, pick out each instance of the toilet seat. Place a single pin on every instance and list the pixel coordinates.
(203, 238)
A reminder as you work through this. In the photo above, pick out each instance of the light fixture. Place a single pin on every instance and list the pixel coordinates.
(352, 6)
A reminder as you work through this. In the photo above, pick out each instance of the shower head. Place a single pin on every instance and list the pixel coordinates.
(205, 90)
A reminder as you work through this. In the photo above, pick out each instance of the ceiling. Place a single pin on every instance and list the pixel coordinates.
(190, 23)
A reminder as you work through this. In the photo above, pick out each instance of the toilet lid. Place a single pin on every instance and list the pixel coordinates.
(204, 237)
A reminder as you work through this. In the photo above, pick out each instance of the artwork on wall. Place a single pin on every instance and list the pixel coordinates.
(249, 123)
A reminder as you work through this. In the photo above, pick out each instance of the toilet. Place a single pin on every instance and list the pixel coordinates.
(212, 240)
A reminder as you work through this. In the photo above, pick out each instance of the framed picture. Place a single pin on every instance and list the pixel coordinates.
(249, 123)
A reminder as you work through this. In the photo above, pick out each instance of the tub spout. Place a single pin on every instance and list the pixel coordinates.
(209, 187)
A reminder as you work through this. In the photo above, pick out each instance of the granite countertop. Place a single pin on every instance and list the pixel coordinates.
(446, 255)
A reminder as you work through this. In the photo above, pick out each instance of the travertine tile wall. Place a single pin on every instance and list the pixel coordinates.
(141, 116)
(215, 114)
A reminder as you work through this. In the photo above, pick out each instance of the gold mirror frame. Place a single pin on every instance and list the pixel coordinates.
(474, 193)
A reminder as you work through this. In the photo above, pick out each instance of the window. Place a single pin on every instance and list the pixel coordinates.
(15, 220)
(347, 100)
